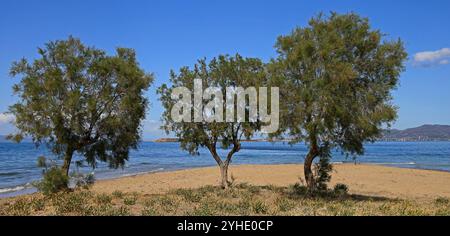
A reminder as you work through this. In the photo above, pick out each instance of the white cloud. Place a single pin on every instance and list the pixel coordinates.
(6, 118)
(444, 62)
(431, 58)
(6, 126)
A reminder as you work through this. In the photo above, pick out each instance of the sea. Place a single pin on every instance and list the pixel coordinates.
(18, 162)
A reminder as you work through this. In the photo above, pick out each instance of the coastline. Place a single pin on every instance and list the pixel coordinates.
(259, 190)
(155, 157)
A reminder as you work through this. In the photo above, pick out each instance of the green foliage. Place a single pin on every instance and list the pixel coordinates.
(285, 204)
(130, 200)
(42, 162)
(38, 204)
(21, 207)
(76, 98)
(117, 194)
(84, 181)
(103, 199)
(299, 189)
(259, 207)
(189, 195)
(72, 203)
(121, 211)
(148, 211)
(442, 200)
(268, 201)
(54, 180)
(322, 170)
(253, 189)
(205, 209)
(163, 202)
(220, 72)
(336, 77)
(340, 190)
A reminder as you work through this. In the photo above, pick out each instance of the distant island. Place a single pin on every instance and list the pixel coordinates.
(3, 139)
(166, 140)
(421, 133)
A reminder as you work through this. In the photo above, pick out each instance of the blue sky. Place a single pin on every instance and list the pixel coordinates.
(171, 34)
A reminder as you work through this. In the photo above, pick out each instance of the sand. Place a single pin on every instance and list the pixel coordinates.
(370, 180)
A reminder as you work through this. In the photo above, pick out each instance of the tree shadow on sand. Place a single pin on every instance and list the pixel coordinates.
(298, 191)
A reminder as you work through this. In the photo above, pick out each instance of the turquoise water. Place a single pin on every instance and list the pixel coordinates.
(18, 161)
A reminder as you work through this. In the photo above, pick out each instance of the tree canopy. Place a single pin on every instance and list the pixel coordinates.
(222, 72)
(78, 99)
(336, 76)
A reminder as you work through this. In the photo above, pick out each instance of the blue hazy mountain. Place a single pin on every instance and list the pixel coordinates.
(421, 133)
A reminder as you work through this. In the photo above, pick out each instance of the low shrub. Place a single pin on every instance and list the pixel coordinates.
(54, 180)
(130, 200)
(117, 194)
(103, 199)
(259, 207)
(340, 190)
(442, 200)
(299, 189)
(285, 204)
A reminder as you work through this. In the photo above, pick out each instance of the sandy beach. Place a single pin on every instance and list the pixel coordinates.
(370, 180)
(259, 190)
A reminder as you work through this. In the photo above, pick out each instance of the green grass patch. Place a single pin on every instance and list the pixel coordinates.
(241, 199)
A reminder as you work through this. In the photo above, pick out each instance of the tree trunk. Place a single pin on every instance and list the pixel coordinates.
(67, 160)
(224, 174)
(223, 165)
(309, 176)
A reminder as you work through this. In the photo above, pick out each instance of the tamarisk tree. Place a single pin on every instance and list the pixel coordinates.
(335, 76)
(203, 127)
(77, 99)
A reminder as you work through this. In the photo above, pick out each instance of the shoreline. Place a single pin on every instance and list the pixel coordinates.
(168, 157)
(259, 190)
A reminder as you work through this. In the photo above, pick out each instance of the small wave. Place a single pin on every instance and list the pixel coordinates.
(9, 173)
(16, 188)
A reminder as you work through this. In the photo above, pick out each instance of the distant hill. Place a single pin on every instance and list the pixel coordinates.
(4, 140)
(421, 133)
(166, 140)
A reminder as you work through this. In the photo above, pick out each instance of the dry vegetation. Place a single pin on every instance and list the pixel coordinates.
(242, 199)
